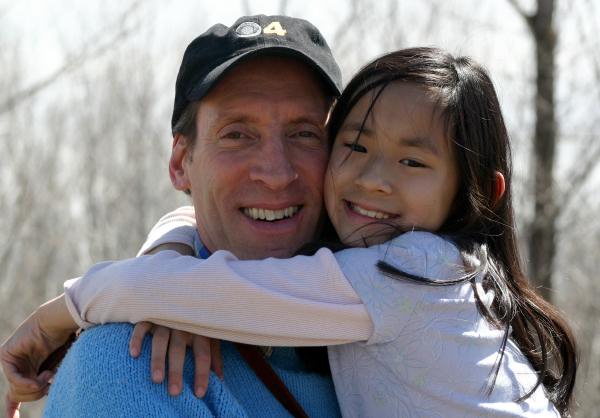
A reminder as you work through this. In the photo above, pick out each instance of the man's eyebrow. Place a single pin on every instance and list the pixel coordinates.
(423, 142)
(315, 119)
(241, 117)
(235, 117)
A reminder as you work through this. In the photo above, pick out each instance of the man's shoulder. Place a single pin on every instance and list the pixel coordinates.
(98, 378)
(101, 350)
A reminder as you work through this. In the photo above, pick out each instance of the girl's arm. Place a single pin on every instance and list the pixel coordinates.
(22, 355)
(177, 227)
(298, 301)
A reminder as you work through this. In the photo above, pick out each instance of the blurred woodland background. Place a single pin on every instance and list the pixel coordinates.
(86, 92)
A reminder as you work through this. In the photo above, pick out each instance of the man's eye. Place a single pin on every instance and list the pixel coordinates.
(306, 134)
(355, 147)
(411, 163)
(235, 135)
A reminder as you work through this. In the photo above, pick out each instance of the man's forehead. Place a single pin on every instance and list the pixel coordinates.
(270, 80)
(243, 109)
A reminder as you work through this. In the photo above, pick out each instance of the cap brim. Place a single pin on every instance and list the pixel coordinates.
(211, 79)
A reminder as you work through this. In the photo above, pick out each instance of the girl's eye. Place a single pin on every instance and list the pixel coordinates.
(411, 163)
(355, 147)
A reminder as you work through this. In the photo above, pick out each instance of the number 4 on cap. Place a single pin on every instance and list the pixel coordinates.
(275, 28)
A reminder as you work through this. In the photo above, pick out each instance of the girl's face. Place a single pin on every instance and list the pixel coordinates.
(402, 170)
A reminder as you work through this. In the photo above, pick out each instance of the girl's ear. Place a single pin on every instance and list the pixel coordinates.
(177, 169)
(499, 186)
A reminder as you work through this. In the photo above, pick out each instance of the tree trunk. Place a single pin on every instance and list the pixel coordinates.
(542, 245)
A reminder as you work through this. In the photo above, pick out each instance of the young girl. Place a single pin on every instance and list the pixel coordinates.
(430, 314)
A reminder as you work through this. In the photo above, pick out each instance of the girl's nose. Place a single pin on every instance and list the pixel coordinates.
(373, 178)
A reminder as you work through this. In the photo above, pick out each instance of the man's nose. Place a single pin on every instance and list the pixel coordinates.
(273, 166)
(373, 177)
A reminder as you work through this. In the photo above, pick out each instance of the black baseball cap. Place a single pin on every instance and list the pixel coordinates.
(211, 54)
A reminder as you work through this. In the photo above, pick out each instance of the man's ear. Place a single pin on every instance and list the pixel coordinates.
(499, 186)
(177, 169)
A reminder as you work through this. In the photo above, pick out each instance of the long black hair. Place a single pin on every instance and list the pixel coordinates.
(480, 224)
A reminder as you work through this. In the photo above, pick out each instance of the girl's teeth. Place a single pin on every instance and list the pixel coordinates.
(370, 213)
(270, 215)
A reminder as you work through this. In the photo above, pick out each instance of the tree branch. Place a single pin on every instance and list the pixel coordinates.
(16, 224)
(584, 40)
(283, 4)
(342, 29)
(591, 151)
(580, 175)
(528, 17)
(246, 7)
(72, 63)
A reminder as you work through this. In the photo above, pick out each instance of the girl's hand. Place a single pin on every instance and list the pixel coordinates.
(24, 353)
(166, 341)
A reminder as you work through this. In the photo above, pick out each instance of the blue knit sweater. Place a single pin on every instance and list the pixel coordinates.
(98, 378)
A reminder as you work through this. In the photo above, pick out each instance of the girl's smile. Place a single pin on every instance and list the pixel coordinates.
(397, 169)
(363, 210)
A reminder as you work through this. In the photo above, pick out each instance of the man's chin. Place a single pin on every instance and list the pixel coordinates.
(256, 238)
(257, 246)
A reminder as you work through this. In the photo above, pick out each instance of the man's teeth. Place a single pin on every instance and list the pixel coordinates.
(271, 215)
(370, 213)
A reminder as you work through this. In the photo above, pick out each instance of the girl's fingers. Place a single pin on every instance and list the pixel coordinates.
(30, 392)
(172, 344)
(201, 347)
(29, 396)
(18, 383)
(177, 347)
(45, 377)
(216, 359)
(12, 407)
(160, 343)
(137, 337)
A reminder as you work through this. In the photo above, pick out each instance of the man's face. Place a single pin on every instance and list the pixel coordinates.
(256, 170)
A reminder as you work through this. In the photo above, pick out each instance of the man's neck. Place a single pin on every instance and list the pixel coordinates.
(199, 249)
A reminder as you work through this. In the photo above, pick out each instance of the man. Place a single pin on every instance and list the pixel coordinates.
(250, 146)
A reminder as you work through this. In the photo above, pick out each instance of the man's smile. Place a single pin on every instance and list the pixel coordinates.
(270, 215)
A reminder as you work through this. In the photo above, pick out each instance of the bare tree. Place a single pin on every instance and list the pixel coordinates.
(542, 245)
(82, 177)
(95, 47)
(82, 172)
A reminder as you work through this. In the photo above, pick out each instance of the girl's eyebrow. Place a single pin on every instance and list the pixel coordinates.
(421, 142)
(356, 127)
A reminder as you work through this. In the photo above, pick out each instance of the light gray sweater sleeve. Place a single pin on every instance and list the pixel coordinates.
(292, 302)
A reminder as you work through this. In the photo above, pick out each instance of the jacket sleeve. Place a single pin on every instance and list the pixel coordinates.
(288, 302)
(178, 226)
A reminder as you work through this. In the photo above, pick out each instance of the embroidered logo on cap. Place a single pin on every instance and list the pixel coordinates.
(275, 28)
(248, 29)
(251, 29)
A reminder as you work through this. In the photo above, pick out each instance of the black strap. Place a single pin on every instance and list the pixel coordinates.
(265, 373)
(54, 359)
